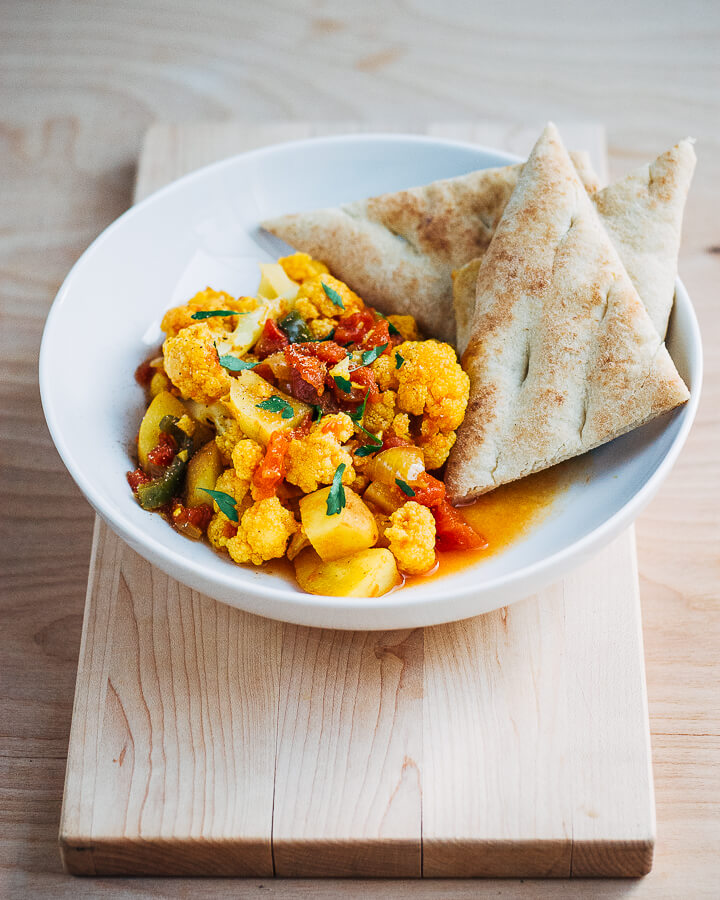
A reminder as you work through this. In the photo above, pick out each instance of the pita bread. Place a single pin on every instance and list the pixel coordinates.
(563, 355)
(398, 251)
(643, 215)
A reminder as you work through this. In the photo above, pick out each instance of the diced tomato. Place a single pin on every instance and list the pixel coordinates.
(453, 532)
(378, 335)
(392, 440)
(328, 351)
(305, 367)
(136, 478)
(144, 373)
(429, 491)
(271, 471)
(272, 339)
(352, 328)
(191, 518)
(365, 377)
(164, 453)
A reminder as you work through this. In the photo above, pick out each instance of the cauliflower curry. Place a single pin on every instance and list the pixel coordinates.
(302, 423)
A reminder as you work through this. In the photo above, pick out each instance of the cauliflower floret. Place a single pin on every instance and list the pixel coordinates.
(380, 414)
(246, 457)
(431, 384)
(312, 460)
(312, 302)
(264, 532)
(407, 326)
(229, 483)
(401, 427)
(322, 328)
(192, 364)
(226, 439)
(186, 424)
(220, 530)
(181, 316)
(412, 538)
(436, 445)
(301, 267)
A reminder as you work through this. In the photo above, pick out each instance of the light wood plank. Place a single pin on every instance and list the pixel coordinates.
(347, 793)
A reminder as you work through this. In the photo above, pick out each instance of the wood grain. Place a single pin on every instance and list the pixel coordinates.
(80, 86)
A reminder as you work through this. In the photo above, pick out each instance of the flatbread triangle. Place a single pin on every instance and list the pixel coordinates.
(643, 214)
(563, 355)
(398, 251)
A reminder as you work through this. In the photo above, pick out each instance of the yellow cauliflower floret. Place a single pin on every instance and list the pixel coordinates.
(401, 426)
(220, 530)
(226, 439)
(431, 384)
(385, 371)
(192, 364)
(229, 483)
(312, 460)
(380, 414)
(407, 326)
(321, 328)
(246, 457)
(181, 316)
(264, 532)
(412, 538)
(312, 302)
(436, 446)
(301, 266)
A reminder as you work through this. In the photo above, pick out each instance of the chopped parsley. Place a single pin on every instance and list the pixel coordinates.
(405, 487)
(373, 437)
(277, 405)
(336, 497)
(319, 411)
(393, 330)
(357, 416)
(211, 313)
(343, 383)
(233, 364)
(369, 356)
(366, 450)
(399, 360)
(225, 502)
(332, 295)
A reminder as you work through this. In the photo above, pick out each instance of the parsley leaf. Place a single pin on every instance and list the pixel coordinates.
(405, 487)
(343, 383)
(233, 364)
(366, 450)
(392, 329)
(211, 313)
(333, 295)
(399, 360)
(277, 404)
(357, 416)
(319, 411)
(336, 497)
(225, 502)
(369, 356)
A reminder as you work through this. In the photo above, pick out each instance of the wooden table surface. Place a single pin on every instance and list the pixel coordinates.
(79, 85)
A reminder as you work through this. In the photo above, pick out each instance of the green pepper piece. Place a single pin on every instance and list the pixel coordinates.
(295, 327)
(161, 490)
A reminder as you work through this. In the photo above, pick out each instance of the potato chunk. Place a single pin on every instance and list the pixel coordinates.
(387, 498)
(249, 390)
(203, 471)
(164, 404)
(368, 573)
(352, 529)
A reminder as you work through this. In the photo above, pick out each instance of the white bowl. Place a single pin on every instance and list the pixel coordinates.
(203, 230)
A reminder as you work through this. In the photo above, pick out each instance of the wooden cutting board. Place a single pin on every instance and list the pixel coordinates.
(207, 741)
